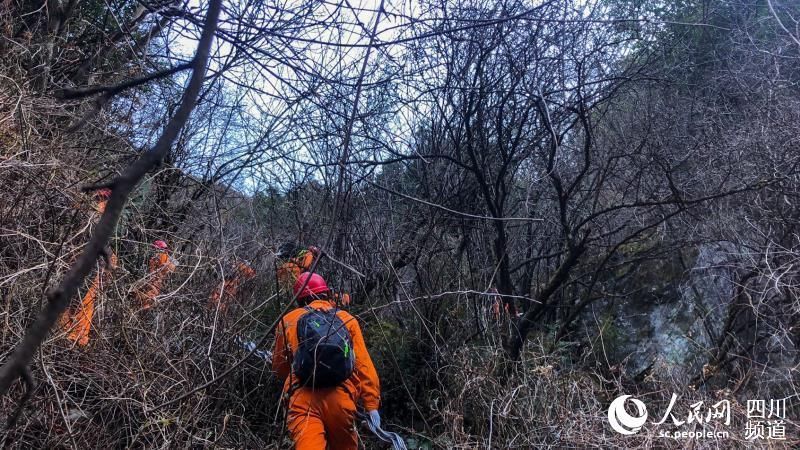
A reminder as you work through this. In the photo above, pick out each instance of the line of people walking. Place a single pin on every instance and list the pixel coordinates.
(319, 352)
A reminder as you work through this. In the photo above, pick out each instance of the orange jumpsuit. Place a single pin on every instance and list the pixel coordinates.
(228, 289)
(325, 417)
(291, 269)
(159, 267)
(496, 301)
(344, 298)
(496, 308)
(77, 325)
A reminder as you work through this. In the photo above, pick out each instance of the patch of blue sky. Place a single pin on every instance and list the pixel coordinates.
(307, 49)
(292, 91)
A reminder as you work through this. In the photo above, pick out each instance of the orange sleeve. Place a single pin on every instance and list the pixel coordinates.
(367, 382)
(307, 261)
(287, 274)
(281, 355)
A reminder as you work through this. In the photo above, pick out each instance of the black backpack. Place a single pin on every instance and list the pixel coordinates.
(324, 356)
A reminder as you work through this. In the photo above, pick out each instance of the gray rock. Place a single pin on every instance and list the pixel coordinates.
(670, 319)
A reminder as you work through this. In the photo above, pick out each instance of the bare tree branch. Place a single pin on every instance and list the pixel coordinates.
(59, 298)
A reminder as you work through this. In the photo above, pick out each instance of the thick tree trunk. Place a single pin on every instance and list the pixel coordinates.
(525, 323)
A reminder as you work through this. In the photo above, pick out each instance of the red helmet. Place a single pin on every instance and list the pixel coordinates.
(316, 285)
(161, 245)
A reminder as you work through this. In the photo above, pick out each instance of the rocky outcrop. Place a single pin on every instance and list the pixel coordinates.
(668, 318)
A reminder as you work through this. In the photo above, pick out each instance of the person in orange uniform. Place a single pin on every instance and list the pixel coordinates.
(102, 197)
(77, 322)
(342, 299)
(292, 267)
(321, 418)
(160, 266)
(228, 288)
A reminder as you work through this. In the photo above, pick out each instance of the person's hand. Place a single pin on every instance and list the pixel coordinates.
(375, 418)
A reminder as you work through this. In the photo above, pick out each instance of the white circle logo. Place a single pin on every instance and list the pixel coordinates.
(621, 421)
